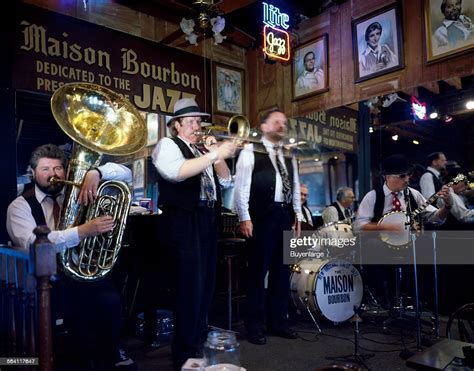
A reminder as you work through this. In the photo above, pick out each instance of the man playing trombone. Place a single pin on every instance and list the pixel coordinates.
(189, 182)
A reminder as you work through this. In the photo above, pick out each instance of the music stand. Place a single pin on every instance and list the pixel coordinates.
(356, 357)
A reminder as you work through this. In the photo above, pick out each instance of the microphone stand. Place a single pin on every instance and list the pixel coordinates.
(356, 357)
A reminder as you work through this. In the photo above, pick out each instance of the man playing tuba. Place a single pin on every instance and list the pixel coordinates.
(91, 310)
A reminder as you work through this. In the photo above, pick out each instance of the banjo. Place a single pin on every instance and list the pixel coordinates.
(401, 238)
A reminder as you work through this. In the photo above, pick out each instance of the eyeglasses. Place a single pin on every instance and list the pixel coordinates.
(401, 176)
(304, 194)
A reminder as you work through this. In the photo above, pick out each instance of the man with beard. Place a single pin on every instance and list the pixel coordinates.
(91, 310)
(456, 27)
(267, 197)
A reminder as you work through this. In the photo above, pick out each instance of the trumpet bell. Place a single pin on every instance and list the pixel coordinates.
(99, 119)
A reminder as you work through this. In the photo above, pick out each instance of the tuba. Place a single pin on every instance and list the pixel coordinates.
(99, 121)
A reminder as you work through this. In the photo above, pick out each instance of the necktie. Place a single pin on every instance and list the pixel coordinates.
(396, 206)
(207, 189)
(284, 177)
(347, 213)
(56, 210)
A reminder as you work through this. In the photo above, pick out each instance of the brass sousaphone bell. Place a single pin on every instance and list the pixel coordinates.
(99, 121)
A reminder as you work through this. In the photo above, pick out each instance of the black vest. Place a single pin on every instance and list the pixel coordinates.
(183, 194)
(36, 209)
(262, 190)
(340, 213)
(436, 181)
(380, 200)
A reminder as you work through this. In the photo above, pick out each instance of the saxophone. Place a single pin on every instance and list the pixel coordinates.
(99, 121)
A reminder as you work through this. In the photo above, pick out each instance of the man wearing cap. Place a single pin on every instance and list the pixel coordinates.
(392, 196)
(389, 197)
(189, 183)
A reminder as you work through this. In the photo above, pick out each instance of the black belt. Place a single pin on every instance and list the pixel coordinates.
(207, 203)
(281, 204)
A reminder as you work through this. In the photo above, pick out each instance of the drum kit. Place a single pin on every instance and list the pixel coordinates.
(329, 287)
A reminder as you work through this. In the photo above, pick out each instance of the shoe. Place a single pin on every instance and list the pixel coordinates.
(124, 362)
(284, 332)
(256, 337)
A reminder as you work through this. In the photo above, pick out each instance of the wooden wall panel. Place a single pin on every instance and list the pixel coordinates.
(343, 91)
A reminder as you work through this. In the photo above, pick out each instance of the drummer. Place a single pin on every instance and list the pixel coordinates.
(340, 210)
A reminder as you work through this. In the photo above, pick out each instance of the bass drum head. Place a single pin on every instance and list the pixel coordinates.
(302, 282)
(339, 289)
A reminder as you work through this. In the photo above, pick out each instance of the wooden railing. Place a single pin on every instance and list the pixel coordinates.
(25, 303)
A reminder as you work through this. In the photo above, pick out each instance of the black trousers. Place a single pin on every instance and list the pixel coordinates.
(191, 240)
(92, 315)
(266, 254)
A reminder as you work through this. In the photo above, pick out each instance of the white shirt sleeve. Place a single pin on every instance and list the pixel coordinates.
(168, 159)
(243, 182)
(113, 171)
(20, 226)
(459, 209)
(296, 191)
(427, 185)
(365, 213)
(330, 215)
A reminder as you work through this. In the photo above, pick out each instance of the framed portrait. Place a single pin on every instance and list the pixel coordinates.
(139, 173)
(152, 126)
(449, 28)
(310, 68)
(229, 90)
(378, 43)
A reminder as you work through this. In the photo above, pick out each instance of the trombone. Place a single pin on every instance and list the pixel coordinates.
(238, 129)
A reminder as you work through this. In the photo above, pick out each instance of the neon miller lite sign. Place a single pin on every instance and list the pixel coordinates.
(276, 41)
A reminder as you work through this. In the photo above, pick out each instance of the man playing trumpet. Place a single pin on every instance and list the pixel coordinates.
(190, 197)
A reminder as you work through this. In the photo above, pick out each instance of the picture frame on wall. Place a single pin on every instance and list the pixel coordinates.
(139, 173)
(449, 28)
(229, 90)
(310, 68)
(378, 43)
(152, 120)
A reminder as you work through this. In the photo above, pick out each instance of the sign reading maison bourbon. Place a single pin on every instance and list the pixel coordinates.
(334, 128)
(52, 49)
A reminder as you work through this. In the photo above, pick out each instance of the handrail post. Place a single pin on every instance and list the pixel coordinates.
(43, 255)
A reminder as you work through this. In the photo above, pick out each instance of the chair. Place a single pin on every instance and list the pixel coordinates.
(465, 323)
(230, 245)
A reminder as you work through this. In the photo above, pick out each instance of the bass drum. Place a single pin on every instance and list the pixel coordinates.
(330, 288)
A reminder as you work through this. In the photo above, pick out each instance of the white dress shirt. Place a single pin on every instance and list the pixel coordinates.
(331, 215)
(463, 25)
(168, 159)
(426, 182)
(243, 180)
(459, 209)
(21, 223)
(365, 213)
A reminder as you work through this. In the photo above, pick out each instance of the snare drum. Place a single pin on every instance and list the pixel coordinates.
(330, 288)
(335, 230)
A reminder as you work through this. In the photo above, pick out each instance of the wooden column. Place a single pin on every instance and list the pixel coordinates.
(43, 255)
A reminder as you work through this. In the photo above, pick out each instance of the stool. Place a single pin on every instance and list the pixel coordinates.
(230, 252)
